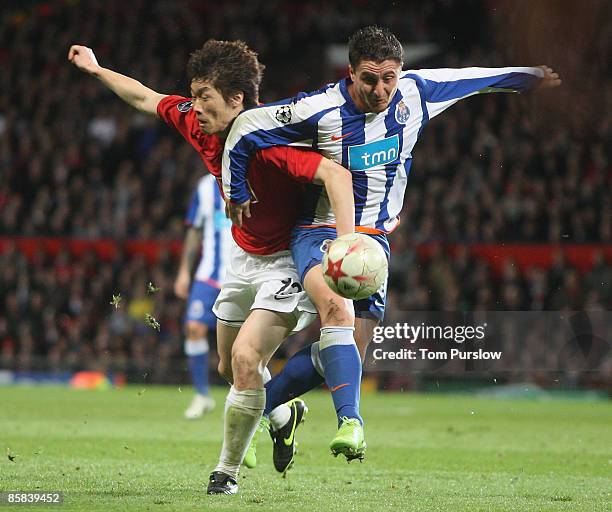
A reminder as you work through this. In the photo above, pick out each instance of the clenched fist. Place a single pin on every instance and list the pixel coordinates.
(83, 58)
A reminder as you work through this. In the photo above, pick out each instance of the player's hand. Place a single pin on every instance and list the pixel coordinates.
(235, 212)
(549, 80)
(181, 285)
(83, 58)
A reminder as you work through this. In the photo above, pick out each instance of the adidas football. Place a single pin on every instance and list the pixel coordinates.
(355, 266)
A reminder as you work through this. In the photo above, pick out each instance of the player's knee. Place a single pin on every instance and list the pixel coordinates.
(338, 312)
(245, 361)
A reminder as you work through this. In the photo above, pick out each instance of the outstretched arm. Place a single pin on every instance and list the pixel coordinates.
(442, 88)
(129, 90)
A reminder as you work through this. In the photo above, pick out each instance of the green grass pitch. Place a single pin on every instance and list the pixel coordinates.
(130, 449)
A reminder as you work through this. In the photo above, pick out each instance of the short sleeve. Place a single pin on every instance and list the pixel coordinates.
(177, 113)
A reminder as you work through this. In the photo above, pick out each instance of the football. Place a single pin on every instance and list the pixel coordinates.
(355, 266)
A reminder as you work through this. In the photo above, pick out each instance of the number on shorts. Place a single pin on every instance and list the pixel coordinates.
(289, 288)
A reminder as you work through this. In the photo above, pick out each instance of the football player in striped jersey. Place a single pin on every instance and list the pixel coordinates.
(208, 233)
(369, 122)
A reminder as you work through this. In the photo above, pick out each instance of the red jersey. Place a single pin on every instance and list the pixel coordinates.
(276, 176)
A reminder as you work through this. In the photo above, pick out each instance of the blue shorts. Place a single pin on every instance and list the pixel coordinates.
(307, 247)
(202, 296)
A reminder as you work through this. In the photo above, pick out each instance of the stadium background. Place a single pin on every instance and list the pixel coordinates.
(508, 205)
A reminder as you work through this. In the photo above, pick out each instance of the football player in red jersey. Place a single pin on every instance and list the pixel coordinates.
(262, 300)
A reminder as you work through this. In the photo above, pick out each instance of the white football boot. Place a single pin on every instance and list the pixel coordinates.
(199, 405)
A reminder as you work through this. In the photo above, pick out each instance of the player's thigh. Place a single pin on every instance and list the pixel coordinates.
(226, 336)
(364, 330)
(333, 309)
(260, 336)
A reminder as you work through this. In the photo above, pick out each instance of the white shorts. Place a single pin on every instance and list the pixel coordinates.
(262, 282)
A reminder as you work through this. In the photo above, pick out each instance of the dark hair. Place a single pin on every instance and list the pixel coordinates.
(230, 66)
(374, 43)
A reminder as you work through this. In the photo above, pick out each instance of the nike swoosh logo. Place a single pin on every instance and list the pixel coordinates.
(289, 440)
(340, 137)
(340, 386)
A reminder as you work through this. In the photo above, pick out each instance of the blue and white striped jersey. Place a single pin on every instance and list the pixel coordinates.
(376, 148)
(207, 212)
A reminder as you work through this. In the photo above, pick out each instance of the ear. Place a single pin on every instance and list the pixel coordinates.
(351, 73)
(236, 100)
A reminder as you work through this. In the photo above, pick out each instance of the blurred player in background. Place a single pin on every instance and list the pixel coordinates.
(261, 301)
(370, 123)
(208, 230)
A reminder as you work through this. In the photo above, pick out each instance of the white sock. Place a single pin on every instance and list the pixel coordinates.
(281, 415)
(196, 347)
(243, 410)
(315, 357)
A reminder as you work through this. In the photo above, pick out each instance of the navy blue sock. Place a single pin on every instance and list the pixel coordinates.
(342, 367)
(296, 378)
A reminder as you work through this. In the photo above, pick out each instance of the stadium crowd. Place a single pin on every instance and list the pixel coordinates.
(72, 323)
(76, 162)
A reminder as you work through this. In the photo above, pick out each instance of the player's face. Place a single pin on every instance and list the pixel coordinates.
(213, 112)
(374, 84)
